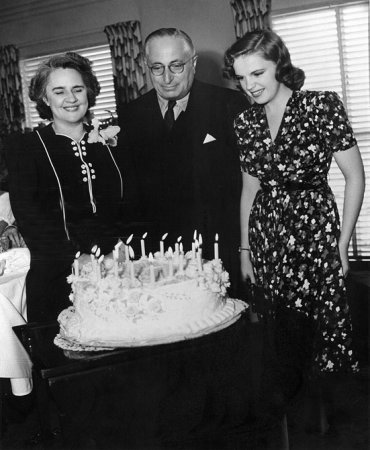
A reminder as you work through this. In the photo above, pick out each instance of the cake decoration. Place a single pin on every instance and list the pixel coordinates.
(118, 300)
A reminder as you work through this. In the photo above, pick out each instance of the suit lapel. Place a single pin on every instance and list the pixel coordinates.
(199, 117)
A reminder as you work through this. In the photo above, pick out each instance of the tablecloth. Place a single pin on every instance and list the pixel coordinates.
(14, 360)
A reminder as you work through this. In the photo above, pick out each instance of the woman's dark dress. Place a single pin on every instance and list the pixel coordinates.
(36, 203)
(293, 233)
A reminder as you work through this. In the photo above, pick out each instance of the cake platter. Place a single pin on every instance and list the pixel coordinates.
(230, 314)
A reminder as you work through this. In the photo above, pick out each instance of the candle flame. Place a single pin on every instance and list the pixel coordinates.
(97, 254)
(200, 240)
(145, 235)
(78, 254)
(216, 237)
(100, 259)
(93, 250)
(164, 236)
(195, 234)
(179, 238)
(129, 239)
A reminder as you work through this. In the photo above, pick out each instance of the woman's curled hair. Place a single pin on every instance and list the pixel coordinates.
(272, 48)
(69, 60)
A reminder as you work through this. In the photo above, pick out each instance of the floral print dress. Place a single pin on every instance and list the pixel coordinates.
(294, 223)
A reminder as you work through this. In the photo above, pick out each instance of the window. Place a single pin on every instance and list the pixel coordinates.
(102, 64)
(332, 46)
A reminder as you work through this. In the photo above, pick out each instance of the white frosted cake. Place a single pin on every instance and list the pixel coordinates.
(163, 298)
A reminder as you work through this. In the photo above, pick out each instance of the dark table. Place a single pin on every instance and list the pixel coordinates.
(205, 393)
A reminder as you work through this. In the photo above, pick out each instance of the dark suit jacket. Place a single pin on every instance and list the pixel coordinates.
(177, 183)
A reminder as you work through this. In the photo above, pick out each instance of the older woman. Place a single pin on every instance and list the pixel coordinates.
(64, 181)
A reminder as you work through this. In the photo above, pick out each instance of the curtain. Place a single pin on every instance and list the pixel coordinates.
(11, 99)
(126, 47)
(250, 15)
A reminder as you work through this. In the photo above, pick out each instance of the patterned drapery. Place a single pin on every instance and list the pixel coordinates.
(128, 60)
(250, 15)
(11, 100)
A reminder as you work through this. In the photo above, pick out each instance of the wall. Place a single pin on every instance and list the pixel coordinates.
(40, 27)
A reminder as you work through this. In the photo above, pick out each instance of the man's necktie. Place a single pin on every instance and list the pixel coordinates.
(169, 116)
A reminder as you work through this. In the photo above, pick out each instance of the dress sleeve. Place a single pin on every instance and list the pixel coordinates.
(6, 213)
(337, 129)
(41, 227)
(245, 142)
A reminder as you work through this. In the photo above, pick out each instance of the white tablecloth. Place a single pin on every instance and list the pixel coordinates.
(14, 360)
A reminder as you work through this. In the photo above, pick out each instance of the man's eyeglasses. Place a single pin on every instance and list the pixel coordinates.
(175, 67)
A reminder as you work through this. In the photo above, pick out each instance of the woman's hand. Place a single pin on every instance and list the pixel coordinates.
(350, 164)
(343, 253)
(14, 236)
(247, 274)
(246, 266)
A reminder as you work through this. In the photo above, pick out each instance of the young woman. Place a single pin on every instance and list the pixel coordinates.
(292, 245)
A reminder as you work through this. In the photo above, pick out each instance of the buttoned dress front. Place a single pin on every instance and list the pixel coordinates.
(66, 196)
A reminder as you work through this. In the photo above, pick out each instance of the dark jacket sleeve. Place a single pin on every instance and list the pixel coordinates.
(39, 220)
(133, 214)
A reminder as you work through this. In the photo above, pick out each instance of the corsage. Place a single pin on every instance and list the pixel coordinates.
(102, 132)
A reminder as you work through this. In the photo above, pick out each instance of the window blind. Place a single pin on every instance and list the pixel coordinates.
(102, 65)
(332, 46)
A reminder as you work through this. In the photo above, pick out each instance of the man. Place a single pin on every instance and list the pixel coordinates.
(182, 164)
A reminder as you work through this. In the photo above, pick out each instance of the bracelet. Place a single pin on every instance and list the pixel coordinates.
(244, 248)
(10, 226)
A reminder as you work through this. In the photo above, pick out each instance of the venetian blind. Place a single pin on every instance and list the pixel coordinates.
(102, 65)
(332, 46)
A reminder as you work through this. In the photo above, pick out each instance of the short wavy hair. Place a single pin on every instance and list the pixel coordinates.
(272, 48)
(69, 60)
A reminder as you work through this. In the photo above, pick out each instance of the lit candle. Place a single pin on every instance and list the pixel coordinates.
(142, 243)
(115, 262)
(98, 267)
(151, 267)
(161, 244)
(132, 268)
(92, 257)
(127, 255)
(170, 262)
(181, 259)
(119, 249)
(76, 268)
(216, 246)
(118, 245)
(199, 258)
(177, 245)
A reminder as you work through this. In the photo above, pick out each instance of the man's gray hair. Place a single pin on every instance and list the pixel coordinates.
(173, 32)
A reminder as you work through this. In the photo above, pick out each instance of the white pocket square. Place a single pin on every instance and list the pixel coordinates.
(208, 138)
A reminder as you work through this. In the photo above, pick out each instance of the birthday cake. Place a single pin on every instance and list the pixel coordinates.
(161, 298)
